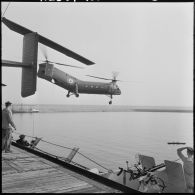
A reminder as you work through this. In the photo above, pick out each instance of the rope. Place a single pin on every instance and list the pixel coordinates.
(46, 152)
(71, 149)
(62, 158)
(65, 148)
(5, 10)
(93, 161)
(56, 145)
(78, 153)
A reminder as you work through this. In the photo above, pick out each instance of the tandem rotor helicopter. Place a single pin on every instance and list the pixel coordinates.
(49, 72)
(75, 86)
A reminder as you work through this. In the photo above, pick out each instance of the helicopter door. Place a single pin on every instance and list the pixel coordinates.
(49, 70)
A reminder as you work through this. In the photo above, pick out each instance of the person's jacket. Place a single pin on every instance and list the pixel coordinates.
(22, 142)
(7, 119)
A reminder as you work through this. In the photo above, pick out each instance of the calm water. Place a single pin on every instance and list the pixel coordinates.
(110, 138)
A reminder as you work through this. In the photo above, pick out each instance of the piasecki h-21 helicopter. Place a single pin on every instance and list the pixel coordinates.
(75, 86)
(49, 72)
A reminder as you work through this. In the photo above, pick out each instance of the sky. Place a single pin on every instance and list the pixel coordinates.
(149, 44)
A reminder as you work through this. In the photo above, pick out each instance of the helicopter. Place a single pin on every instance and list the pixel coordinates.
(50, 73)
(75, 86)
(30, 54)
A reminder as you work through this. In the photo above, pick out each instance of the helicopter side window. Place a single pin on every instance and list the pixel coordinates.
(43, 71)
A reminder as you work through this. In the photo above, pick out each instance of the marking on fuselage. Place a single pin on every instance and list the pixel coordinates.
(70, 81)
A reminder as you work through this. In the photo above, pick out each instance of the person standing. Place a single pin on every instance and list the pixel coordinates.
(7, 126)
(188, 167)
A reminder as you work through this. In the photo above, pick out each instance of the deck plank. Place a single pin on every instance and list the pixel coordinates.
(23, 172)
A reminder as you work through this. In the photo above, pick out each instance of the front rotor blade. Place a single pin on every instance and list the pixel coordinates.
(45, 41)
(99, 77)
(44, 51)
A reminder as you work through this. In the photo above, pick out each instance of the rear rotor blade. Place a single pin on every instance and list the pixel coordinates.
(131, 81)
(113, 80)
(114, 75)
(65, 64)
(99, 77)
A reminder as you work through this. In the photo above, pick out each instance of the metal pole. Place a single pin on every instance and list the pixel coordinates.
(33, 124)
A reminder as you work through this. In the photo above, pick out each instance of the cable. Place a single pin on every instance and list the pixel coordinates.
(56, 145)
(5, 10)
(46, 152)
(61, 158)
(93, 161)
(79, 153)
(66, 148)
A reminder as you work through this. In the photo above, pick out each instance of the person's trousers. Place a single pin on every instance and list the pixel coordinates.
(6, 139)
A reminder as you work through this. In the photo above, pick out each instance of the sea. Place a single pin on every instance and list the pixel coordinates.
(108, 138)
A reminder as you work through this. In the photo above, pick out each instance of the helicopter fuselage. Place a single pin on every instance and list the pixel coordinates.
(76, 86)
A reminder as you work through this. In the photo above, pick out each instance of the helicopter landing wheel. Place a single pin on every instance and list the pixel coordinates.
(110, 102)
(68, 95)
(77, 95)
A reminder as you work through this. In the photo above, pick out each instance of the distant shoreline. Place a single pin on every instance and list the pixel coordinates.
(160, 110)
(46, 108)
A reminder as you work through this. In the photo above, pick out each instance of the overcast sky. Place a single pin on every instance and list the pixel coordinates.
(150, 44)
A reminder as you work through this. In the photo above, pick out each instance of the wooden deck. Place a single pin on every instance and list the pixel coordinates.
(23, 172)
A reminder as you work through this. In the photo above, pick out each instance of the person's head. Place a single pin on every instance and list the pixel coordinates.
(190, 152)
(8, 105)
(22, 136)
